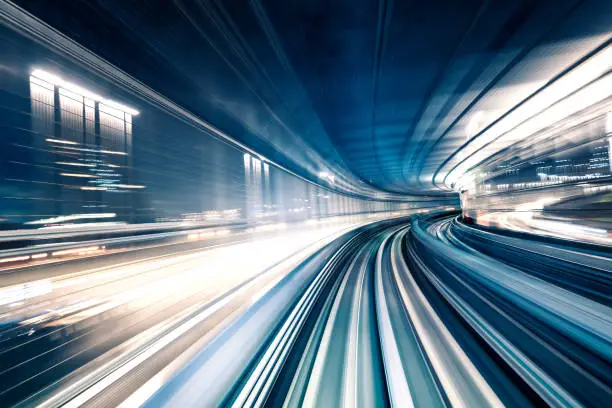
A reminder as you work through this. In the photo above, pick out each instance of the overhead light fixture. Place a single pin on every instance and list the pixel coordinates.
(59, 82)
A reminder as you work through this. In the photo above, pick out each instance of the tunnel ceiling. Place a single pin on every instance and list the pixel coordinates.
(385, 92)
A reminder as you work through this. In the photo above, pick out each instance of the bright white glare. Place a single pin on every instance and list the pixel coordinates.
(121, 107)
(72, 217)
(81, 91)
(474, 125)
(58, 81)
(576, 102)
(24, 291)
(78, 251)
(208, 234)
(15, 259)
(46, 76)
(327, 176)
(573, 92)
(69, 142)
(269, 227)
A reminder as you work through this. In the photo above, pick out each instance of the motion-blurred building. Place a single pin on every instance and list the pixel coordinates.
(82, 147)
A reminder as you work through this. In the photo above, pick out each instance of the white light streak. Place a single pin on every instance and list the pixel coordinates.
(76, 164)
(68, 142)
(78, 251)
(128, 186)
(71, 217)
(113, 152)
(87, 188)
(80, 175)
(15, 259)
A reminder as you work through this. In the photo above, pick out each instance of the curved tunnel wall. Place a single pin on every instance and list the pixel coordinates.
(562, 174)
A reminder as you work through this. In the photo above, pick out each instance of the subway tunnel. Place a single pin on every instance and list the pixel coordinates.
(305, 203)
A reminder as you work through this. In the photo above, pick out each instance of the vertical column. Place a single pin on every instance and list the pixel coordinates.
(71, 113)
(253, 184)
(42, 99)
(609, 133)
(247, 187)
(257, 187)
(267, 198)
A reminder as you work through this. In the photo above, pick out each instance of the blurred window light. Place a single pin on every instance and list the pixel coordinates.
(121, 107)
(74, 90)
(39, 82)
(59, 82)
(47, 76)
